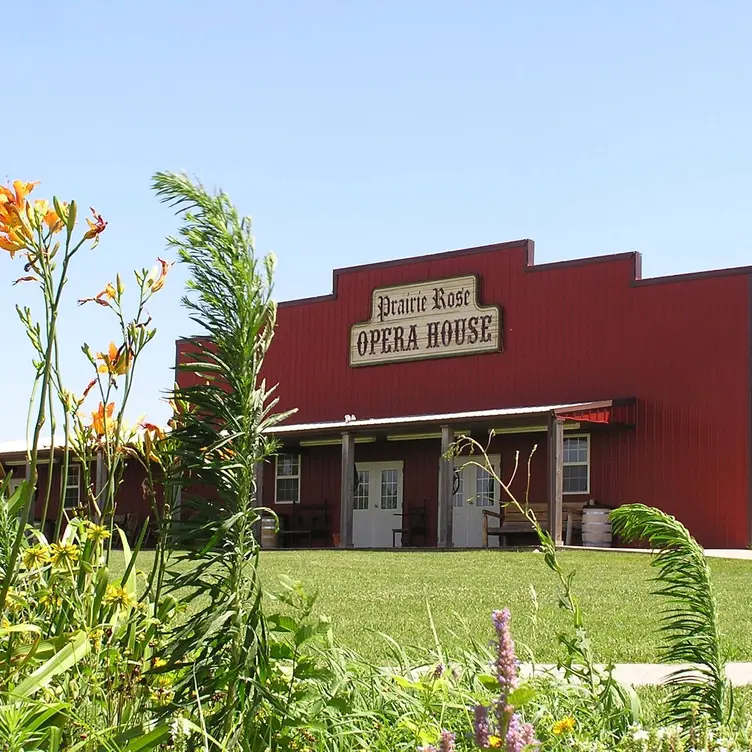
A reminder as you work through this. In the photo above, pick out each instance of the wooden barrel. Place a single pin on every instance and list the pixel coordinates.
(596, 527)
(268, 532)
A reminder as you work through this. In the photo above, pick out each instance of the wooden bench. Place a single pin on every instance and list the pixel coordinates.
(307, 522)
(513, 522)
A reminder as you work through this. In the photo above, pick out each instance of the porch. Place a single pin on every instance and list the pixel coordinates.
(389, 482)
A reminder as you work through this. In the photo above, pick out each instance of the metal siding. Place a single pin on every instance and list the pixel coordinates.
(572, 332)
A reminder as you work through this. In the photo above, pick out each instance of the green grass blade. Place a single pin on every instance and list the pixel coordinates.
(61, 662)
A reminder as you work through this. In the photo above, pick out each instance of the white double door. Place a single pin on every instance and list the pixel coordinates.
(474, 491)
(377, 508)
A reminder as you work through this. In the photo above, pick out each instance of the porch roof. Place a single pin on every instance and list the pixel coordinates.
(601, 411)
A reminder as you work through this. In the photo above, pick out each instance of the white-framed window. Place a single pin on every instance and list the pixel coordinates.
(576, 478)
(287, 486)
(72, 495)
(362, 490)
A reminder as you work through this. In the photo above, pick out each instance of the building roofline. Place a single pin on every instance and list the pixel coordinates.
(529, 267)
(350, 423)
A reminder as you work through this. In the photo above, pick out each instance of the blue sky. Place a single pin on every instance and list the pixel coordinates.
(360, 131)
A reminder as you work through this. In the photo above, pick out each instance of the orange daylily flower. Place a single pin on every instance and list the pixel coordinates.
(101, 297)
(26, 279)
(159, 273)
(15, 238)
(14, 230)
(153, 429)
(96, 227)
(48, 215)
(53, 221)
(17, 196)
(116, 360)
(152, 433)
(101, 419)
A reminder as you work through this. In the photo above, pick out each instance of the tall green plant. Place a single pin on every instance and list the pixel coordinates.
(690, 621)
(618, 704)
(220, 439)
(77, 643)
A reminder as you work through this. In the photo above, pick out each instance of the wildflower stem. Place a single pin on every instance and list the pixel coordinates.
(32, 475)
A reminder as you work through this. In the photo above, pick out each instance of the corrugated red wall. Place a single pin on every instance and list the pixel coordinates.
(573, 331)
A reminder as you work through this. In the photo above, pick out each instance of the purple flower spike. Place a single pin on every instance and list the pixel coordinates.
(514, 740)
(482, 729)
(447, 742)
(519, 735)
(506, 660)
(527, 732)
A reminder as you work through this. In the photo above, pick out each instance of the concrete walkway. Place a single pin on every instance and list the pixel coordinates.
(644, 674)
(715, 553)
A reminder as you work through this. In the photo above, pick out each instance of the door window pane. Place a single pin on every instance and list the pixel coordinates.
(458, 484)
(485, 487)
(362, 490)
(389, 480)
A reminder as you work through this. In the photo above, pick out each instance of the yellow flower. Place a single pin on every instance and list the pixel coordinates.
(95, 635)
(116, 595)
(494, 742)
(14, 601)
(36, 556)
(96, 533)
(158, 662)
(64, 554)
(49, 599)
(563, 726)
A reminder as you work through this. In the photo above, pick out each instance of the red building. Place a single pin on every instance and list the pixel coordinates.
(133, 507)
(631, 389)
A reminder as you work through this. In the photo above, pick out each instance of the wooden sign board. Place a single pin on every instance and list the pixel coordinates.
(435, 319)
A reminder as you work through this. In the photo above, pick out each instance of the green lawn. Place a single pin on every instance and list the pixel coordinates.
(367, 591)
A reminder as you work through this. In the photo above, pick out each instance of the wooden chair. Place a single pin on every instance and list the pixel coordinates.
(414, 523)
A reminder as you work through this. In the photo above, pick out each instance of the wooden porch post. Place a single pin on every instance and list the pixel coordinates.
(347, 492)
(446, 467)
(555, 477)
